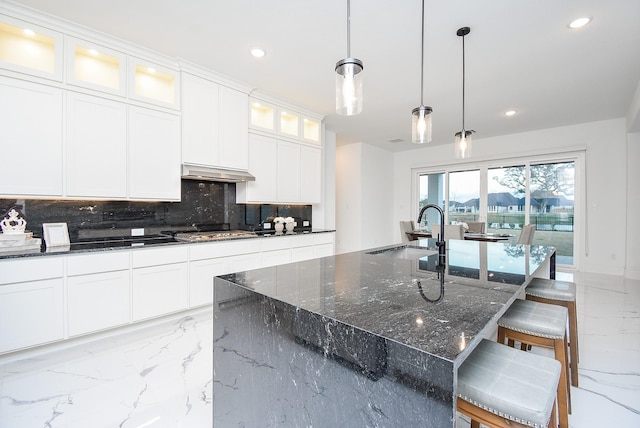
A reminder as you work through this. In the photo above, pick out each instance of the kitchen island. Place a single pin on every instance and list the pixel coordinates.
(370, 338)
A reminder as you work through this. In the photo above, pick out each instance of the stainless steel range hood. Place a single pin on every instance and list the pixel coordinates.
(199, 172)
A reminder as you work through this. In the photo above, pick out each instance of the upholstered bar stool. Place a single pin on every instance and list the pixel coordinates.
(561, 293)
(500, 386)
(540, 324)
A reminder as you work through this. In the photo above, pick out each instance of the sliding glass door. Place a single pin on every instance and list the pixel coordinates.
(506, 198)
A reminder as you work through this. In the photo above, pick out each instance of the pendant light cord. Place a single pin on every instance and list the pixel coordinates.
(348, 28)
(422, 60)
(463, 78)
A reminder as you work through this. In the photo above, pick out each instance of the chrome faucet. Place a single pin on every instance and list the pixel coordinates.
(441, 244)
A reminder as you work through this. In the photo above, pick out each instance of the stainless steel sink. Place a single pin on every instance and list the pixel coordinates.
(404, 252)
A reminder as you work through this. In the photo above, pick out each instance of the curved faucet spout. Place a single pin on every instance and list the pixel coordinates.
(441, 244)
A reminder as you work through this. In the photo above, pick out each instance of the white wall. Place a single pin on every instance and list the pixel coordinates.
(633, 206)
(602, 235)
(324, 214)
(364, 198)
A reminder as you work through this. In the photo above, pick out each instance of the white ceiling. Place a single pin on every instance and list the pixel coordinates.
(520, 55)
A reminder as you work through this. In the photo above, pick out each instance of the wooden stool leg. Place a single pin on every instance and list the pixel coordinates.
(501, 335)
(573, 344)
(563, 397)
(475, 424)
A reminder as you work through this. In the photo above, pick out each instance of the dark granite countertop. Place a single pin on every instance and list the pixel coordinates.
(400, 299)
(132, 242)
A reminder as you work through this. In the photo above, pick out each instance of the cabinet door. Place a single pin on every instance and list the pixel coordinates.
(288, 172)
(201, 274)
(310, 175)
(159, 290)
(31, 314)
(263, 164)
(30, 49)
(153, 83)
(154, 155)
(199, 121)
(95, 67)
(97, 301)
(31, 129)
(96, 147)
(234, 127)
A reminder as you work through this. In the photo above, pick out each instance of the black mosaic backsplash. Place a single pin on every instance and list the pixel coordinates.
(204, 204)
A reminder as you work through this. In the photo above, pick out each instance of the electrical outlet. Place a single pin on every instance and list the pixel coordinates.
(137, 232)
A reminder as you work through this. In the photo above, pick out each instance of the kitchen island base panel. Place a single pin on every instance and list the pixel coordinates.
(268, 372)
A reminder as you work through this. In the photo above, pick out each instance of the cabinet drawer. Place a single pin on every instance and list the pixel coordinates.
(276, 243)
(303, 241)
(84, 264)
(323, 238)
(212, 250)
(30, 269)
(159, 256)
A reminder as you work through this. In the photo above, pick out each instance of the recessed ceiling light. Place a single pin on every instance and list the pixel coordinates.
(29, 32)
(510, 113)
(258, 53)
(580, 22)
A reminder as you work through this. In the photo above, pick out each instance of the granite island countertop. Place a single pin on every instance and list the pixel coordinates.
(394, 317)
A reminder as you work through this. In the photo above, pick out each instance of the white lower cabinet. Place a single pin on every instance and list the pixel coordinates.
(31, 302)
(41, 302)
(98, 292)
(201, 274)
(97, 302)
(160, 282)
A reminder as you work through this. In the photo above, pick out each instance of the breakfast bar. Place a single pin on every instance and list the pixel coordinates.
(369, 338)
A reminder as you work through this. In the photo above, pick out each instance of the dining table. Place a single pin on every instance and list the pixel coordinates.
(469, 236)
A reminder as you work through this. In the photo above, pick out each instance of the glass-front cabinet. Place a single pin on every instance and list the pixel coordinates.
(30, 49)
(95, 67)
(285, 122)
(153, 83)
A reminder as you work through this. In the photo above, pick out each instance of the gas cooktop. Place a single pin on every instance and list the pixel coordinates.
(214, 235)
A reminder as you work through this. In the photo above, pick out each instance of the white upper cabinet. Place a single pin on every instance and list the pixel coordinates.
(263, 164)
(153, 83)
(31, 130)
(285, 122)
(215, 124)
(96, 147)
(310, 175)
(154, 155)
(97, 67)
(30, 49)
(285, 172)
(200, 142)
(234, 129)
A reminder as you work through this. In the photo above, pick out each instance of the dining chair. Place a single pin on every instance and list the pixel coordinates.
(451, 231)
(526, 235)
(476, 227)
(405, 227)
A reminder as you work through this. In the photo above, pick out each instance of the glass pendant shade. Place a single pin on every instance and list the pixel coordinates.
(349, 86)
(421, 125)
(463, 144)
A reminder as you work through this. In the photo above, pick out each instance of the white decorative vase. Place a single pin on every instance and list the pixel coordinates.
(279, 227)
(290, 227)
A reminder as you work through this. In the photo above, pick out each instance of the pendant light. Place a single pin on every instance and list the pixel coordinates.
(463, 138)
(349, 78)
(421, 116)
